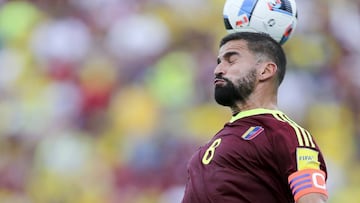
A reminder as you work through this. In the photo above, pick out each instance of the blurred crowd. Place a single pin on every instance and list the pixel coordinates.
(104, 101)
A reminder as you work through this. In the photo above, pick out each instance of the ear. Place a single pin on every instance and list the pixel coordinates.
(268, 70)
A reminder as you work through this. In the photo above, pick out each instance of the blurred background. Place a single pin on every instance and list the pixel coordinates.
(104, 101)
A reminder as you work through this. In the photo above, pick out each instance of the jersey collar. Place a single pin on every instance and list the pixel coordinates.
(253, 112)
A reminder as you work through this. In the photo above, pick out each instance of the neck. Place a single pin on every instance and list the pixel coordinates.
(248, 106)
(254, 101)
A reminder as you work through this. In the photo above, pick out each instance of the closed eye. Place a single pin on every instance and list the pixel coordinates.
(229, 57)
(231, 60)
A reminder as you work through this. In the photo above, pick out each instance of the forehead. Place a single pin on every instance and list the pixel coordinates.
(239, 46)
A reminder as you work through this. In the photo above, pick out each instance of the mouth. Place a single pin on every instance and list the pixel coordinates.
(219, 81)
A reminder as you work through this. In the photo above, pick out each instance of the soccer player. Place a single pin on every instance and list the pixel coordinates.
(261, 155)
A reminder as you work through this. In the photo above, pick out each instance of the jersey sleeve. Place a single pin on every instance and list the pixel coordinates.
(300, 160)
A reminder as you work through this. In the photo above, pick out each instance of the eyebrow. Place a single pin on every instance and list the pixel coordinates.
(227, 55)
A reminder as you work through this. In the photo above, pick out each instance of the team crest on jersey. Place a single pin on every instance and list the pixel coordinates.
(252, 132)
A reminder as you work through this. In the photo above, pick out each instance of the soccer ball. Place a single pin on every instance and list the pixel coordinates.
(277, 18)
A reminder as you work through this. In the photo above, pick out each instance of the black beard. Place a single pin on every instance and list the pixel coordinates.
(229, 94)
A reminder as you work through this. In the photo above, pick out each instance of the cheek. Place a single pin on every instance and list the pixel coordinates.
(236, 72)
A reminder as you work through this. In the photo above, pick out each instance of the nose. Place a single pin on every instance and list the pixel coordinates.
(219, 69)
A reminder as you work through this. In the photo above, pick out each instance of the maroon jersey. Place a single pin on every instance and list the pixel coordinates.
(251, 159)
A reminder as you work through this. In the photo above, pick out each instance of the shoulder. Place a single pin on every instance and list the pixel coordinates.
(289, 127)
(276, 124)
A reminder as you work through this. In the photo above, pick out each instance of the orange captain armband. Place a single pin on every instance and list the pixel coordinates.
(307, 181)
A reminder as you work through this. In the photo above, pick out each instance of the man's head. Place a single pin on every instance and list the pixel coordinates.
(246, 60)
